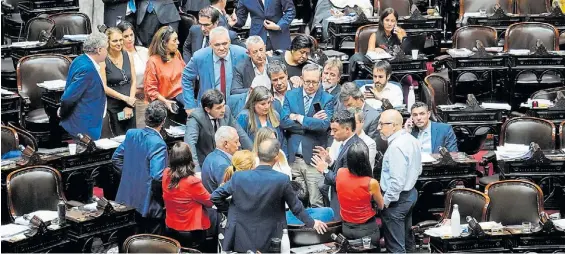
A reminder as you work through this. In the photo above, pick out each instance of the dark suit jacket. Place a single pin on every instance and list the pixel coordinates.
(329, 178)
(200, 133)
(282, 12)
(243, 76)
(194, 5)
(166, 10)
(371, 116)
(214, 168)
(442, 135)
(194, 40)
(113, 9)
(256, 210)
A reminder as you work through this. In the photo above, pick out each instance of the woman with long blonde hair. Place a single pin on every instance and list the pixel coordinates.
(240, 161)
(267, 133)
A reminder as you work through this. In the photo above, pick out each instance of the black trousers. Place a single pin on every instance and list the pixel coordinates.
(150, 225)
(191, 239)
(357, 231)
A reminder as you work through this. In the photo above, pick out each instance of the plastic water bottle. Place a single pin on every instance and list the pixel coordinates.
(455, 222)
(411, 98)
(285, 243)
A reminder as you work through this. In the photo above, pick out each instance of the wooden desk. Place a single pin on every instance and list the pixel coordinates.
(55, 239)
(11, 108)
(67, 48)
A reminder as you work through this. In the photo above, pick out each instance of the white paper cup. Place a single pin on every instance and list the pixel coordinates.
(72, 149)
(414, 54)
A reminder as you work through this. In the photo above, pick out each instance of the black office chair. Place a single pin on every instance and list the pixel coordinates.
(514, 201)
(35, 25)
(25, 138)
(9, 139)
(299, 235)
(70, 23)
(147, 243)
(466, 37)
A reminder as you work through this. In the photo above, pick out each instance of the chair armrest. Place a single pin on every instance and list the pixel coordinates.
(517, 114)
(7, 8)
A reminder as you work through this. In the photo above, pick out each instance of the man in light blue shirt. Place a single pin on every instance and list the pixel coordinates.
(432, 135)
(401, 167)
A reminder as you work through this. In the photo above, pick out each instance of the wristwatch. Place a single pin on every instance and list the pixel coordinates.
(326, 171)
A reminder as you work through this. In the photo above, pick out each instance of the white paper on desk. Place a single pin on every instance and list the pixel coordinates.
(75, 37)
(119, 139)
(559, 223)
(310, 249)
(9, 230)
(439, 231)
(473, 14)
(427, 158)
(176, 131)
(6, 92)
(462, 52)
(452, 106)
(488, 105)
(342, 19)
(43, 215)
(512, 152)
(519, 52)
(24, 43)
(53, 151)
(378, 56)
(57, 85)
(106, 143)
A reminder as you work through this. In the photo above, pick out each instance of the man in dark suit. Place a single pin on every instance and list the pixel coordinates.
(116, 10)
(331, 76)
(270, 19)
(193, 6)
(305, 128)
(432, 135)
(254, 67)
(226, 20)
(203, 123)
(342, 130)
(215, 164)
(153, 14)
(257, 207)
(198, 36)
(142, 165)
(352, 97)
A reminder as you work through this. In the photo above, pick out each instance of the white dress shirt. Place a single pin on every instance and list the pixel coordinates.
(391, 92)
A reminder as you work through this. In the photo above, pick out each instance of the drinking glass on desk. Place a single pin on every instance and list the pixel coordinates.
(483, 12)
(366, 242)
(526, 227)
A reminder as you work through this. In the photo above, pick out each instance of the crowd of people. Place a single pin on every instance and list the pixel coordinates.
(277, 133)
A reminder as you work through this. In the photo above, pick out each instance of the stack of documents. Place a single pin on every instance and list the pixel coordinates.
(10, 230)
(455, 106)
(378, 56)
(106, 143)
(120, 139)
(460, 52)
(318, 248)
(488, 105)
(176, 131)
(56, 85)
(6, 92)
(513, 152)
(427, 158)
(75, 37)
(560, 224)
(24, 43)
(519, 52)
(43, 215)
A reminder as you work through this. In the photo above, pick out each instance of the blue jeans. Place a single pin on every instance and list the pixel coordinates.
(397, 222)
(324, 214)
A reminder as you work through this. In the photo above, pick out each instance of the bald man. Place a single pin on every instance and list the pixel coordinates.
(401, 167)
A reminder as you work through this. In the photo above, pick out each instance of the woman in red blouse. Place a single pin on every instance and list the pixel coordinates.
(185, 198)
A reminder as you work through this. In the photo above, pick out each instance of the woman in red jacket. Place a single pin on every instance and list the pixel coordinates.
(185, 198)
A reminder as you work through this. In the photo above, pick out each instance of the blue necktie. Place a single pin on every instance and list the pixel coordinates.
(131, 5)
(307, 104)
(150, 7)
(340, 148)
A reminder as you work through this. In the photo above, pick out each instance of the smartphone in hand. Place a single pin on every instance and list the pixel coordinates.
(175, 108)
(317, 107)
(121, 116)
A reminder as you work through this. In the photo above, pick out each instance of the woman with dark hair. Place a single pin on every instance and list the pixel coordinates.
(356, 189)
(140, 56)
(258, 112)
(296, 58)
(185, 198)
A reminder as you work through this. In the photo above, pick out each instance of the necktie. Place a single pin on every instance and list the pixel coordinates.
(215, 121)
(307, 103)
(150, 7)
(206, 42)
(340, 149)
(223, 76)
(131, 5)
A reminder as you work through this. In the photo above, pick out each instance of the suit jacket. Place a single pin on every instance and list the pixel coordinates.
(194, 5)
(199, 133)
(312, 132)
(371, 116)
(142, 165)
(83, 101)
(202, 65)
(329, 178)
(281, 12)
(237, 103)
(165, 10)
(194, 42)
(243, 76)
(257, 208)
(442, 135)
(113, 9)
(213, 169)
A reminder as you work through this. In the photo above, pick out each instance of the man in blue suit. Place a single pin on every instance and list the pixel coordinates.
(216, 163)
(270, 19)
(305, 129)
(141, 166)
(213, 66)
(257, 207)
(83, 102)
(432, 135)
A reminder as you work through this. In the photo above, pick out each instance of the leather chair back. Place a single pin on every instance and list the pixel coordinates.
(25, 138)
(514, 201)
(401, 6)
(470, 203)
(526, 34)
(362, 37)
(34, 188)
(532, 6)
(9, 139)
(186, 21)
(466, 36)
(71, 23)
(524, 130)
(440, 88)
(548, 94)
(302, 236)
(44, 67)
(488, 5)
(562, 135)
(35, 25)
(147, 243)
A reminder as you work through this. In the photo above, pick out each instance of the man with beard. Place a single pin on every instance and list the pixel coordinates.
(331, 76)
(279, 80)
(382, 88)
(432, 135)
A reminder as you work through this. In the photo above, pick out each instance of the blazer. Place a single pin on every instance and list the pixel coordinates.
(329, 178)
(165, 10)
(237, 103)
(201, 65)
(243, 121)
(195, 38)
(113, 9)
(142, 165)
(257, 208)
(194, 5)
(213, 169)
(442, 135)
(371, 116)
(281, 12)
(243, 76)
(199, 133)
(313, 132)
(84, 100)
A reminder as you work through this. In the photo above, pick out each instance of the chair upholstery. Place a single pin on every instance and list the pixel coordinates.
(488, 5)
(525, 35)
(25, 138)
(9, 139)
(440, 88)
(362, 37)
(35, 25)
(302, 236)
(34, 188)
(186, 21)
(470, 203)
(524, 130)
(532, 6)
(514, 201)
(401, 6)
(548, 94)
(147, 243)
(466, 36)
(71, 23)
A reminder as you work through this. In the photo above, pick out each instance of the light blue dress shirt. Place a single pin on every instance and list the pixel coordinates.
(217, 65)
(402, 164)
(425, 138)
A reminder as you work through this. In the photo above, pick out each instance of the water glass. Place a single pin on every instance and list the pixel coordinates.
(366, 242)
(414, 54)
(526, 227)
(72, 149)
(483, 12)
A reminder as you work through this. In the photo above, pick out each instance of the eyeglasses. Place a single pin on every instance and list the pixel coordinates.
(206, 25)
(311, 83)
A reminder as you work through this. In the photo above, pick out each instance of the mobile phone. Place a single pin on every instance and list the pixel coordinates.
(175, 108)
(368, 89)
(121, 116)
(317, 107)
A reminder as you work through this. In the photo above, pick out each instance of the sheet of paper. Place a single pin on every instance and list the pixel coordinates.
(106, 143)
(504, 106)
(318, 248)
(9, 230)
(427, 158)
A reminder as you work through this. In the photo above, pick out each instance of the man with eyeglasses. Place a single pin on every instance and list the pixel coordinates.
(198, 35)
(213, 66)
(400, 170)
(306, 118)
